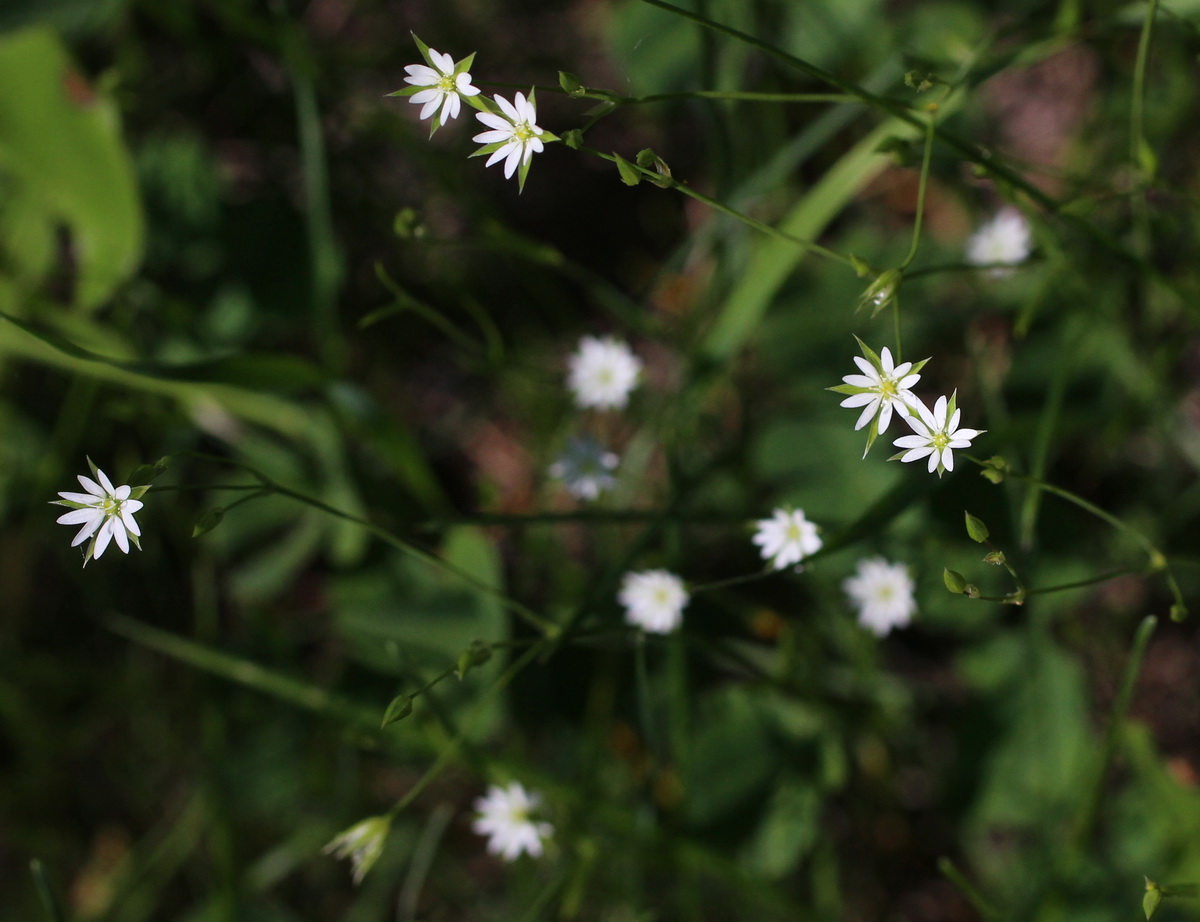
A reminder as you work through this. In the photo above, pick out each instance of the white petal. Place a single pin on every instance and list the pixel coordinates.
(75, 516)
(933, 461)
(534, 146)
(494, 121)
(122, 492)
(130, 523)
(858, 400)
(450, 107)
(953, 424)
(885, 361)
(915, 454)
(885, 416)
(421, 74)
(462, 83)
(912, 441)
(102, 538)
(425, 95)
(947, 459)
(121, 537)
(867, 368)
(91, 486)
(85, 499)
(501, 152)
(513, 158)
(866, 415)
(105, 482)
(507, 108)
(491, 137)
(861, 381)
(430, 107)
(907, 382)
(86, 532)
(442, 62)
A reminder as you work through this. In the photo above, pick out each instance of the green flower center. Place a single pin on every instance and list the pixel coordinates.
(793, 533)
(939, 440)
(887, 387)
(446, 84)
(111, 505)
(523, 132)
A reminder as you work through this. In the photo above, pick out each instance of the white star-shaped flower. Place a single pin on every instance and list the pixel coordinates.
(504, 817)
(653, 600)
(787, 537)
(882, 388)
(883, 594)
(105, 512)
(439, 87)
(515, 131)
(1002, 241)
(585, 468)
(602, 373)
(936, 435)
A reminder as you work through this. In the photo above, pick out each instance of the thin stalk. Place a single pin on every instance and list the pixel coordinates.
(969, 890)
(49, 901)
(1138, 147)
(670, 183)
(1120, 710)
(930, 127)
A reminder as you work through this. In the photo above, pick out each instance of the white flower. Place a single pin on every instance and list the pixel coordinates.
(504, 819)
(881, 387)
(516, 132)
(936, 436)
(440, 86)
(653, 600)
(883, 594)
(1002, 241)
(787, 537)
(362, 843)
(104, 511)
(585, 468)
(602, 372)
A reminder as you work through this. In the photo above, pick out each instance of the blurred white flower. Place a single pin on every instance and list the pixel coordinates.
(936, 435)
(653, 600)
(786, 537)
(585, 468)
(602, 372)
(516, 132)
(105, 512)
(1002, 241)
(504, 819)
(882, 387)
(883, 594)
(440, 86)
(362, 843)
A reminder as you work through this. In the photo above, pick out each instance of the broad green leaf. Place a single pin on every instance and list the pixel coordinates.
(60, 143)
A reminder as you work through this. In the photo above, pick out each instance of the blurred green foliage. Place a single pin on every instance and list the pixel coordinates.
(220, 242)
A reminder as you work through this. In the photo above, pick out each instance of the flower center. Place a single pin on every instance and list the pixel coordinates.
(940, 440)
(793, 532)
(887, 387)
(523, 132)
(446, 84)
(111, 505)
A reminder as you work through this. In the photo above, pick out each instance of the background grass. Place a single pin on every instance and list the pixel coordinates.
(220, 241)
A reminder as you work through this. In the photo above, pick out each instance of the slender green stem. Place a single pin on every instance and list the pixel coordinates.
(670, 183)
(896, 329)
(523, 611)
(969, 890)
(1120, 710)
(450, 750)
(49, 901)
(741, 94)
(930, 128)
(1138, 147)
(732, 581)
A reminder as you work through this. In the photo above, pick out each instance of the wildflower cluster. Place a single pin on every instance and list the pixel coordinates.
(441, 85)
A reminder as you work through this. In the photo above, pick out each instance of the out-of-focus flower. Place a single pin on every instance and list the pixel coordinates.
(362, 843)
(787, 537)
(105, 512)
(883, 594)
(602, 373)
(585, 468)
(1001, 242)
(504, 817)
(653, 600)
